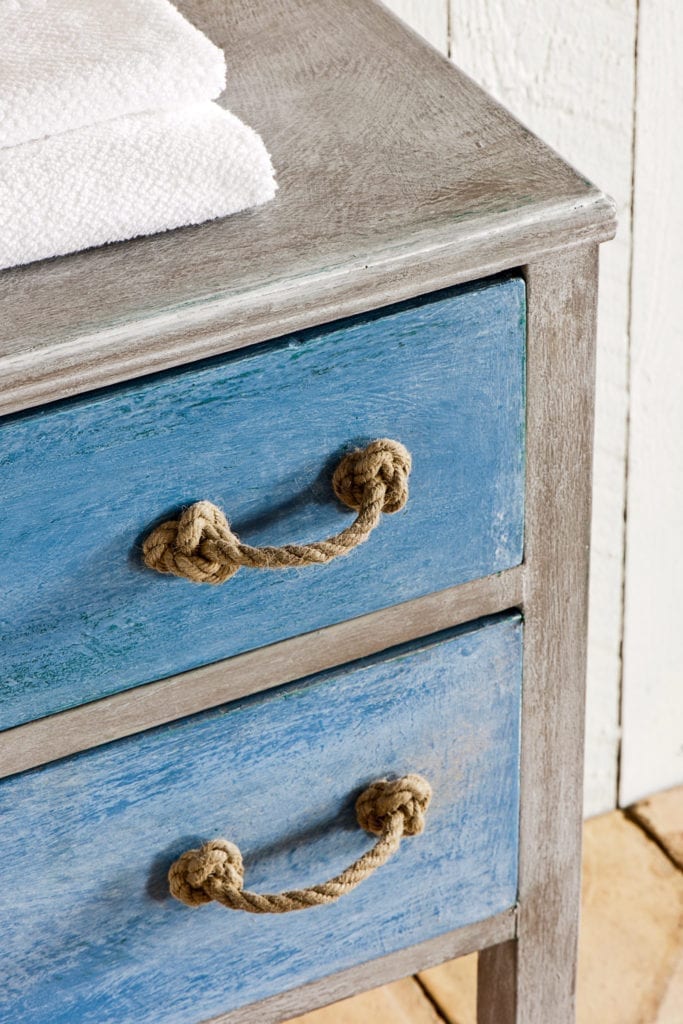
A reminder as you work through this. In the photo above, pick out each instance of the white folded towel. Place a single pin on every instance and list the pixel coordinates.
(129, 176)
(69, 63)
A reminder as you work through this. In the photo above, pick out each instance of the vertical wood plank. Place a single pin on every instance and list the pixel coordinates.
(562, 295)
(428, 17)
(571, 79)
(496, 988)
(652, 756)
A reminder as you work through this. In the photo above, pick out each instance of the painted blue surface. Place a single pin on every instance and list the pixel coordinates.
(88, 933)
(259, 433)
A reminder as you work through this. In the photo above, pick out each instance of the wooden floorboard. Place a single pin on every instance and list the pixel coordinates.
(661, 816)
(453, 989)
(631, 945)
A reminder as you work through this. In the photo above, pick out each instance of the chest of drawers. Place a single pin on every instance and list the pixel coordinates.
(427, 274)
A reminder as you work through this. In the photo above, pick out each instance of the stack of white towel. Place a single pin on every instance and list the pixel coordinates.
(108, 129)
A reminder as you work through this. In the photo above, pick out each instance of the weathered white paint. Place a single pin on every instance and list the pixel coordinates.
(652, 756)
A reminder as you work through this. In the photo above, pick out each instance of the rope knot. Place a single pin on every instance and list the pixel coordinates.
(200, 546)
(391, 809)
(384, 799)
(187, 546)
(216, 863)
(385, 462)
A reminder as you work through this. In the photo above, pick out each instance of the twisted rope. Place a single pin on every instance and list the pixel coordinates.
(389, 809)
(200, 546)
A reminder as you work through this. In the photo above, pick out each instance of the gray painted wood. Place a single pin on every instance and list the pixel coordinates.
(480, 936)
(111, 718)
(397, 176)
(497, 984)
(562, 295)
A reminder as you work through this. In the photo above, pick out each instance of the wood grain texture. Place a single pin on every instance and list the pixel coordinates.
(633, 910)
(145, 707)
(561, 349)
(278, 774)
(661, 816)
(492, 931)
(497, 980)
(397, 176)
(572, 82)
(652, 703)
(258, 433)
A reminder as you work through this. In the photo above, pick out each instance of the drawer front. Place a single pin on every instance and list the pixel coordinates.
(257, 433)
(88, 932)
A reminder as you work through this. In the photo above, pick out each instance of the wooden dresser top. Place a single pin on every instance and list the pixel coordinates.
(397, 176)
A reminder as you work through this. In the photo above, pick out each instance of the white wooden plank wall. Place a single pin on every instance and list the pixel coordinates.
(569, 76)
(652, 754)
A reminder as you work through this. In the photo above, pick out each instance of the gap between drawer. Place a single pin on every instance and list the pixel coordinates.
(132, 711)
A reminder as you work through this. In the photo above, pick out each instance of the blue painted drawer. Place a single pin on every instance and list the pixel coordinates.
(256, 433)
(88, 933)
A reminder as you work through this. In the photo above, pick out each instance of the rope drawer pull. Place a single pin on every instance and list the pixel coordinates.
(388, 809)
(200, 546)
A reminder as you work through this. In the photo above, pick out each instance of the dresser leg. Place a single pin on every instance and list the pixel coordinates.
(532, 980)
(517, 982)
(497, 984)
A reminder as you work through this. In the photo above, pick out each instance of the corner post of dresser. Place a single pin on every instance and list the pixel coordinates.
(532, 980)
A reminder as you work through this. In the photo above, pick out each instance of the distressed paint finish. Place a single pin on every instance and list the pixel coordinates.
(533, 981)
(91, 937)
(572, 81)
(398, 176)
(257, 433)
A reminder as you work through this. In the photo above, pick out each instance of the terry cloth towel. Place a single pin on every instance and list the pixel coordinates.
(130, 176)
(69, 63)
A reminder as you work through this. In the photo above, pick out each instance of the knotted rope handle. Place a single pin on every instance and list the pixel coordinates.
(200, 546)
(389, 809)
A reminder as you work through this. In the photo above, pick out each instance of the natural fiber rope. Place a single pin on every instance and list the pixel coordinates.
(389, 809)
(200, 546)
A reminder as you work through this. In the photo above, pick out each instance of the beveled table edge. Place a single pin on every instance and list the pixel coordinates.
(112, 353)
